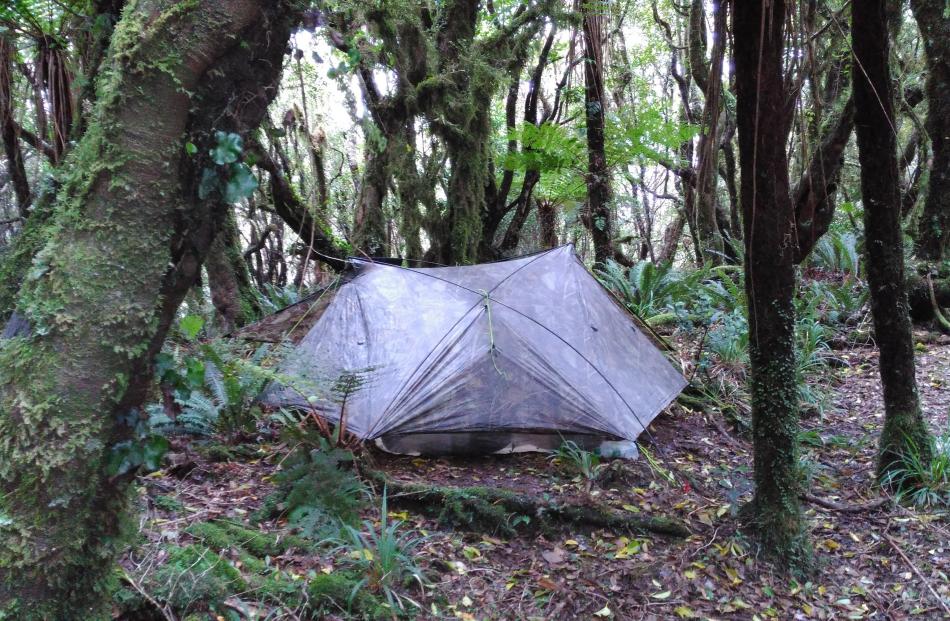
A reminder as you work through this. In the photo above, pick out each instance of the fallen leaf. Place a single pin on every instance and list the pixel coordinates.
(554, 557)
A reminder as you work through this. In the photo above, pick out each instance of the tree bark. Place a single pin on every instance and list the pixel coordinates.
(933, 233)
(904, 427)
(707, 168)
(10, 133)
(370, 222)
(103, 292)
(813, 196)
(232, 292)
(597, 217)
(769, 235)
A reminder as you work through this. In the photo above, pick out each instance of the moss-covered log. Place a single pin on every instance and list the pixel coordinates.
(499, 510)
(124, 244)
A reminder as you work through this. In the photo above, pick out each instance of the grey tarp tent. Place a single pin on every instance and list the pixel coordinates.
(482, 358)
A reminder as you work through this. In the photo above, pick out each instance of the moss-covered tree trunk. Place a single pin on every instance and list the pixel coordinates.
(597, 217)
(370, 224)
(769, 235)
(124, 245)
(933, 234)
(880, 190)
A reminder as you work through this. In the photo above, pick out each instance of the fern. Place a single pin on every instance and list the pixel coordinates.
(320, 491)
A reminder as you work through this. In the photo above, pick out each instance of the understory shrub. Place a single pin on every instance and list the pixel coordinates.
(319, 491)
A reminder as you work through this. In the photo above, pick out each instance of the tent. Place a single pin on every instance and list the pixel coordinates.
(512, 355)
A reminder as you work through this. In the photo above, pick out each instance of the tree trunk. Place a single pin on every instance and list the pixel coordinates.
(769, 235)
(102, 295)
(710, 81)
(933, 234)
(469, 158)
(232, 292)
(814, 195)
(597, 217)
(370, 223)
(8, 129)
(904, 427)
(547, 222)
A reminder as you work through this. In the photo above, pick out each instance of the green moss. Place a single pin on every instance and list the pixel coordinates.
(223, 452)
(344, 592)
(221, 535)
(168, 503)
(194, 576)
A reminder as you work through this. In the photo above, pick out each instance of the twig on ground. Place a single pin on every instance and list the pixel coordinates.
(168, 614)
(916, 571)
(843, 508)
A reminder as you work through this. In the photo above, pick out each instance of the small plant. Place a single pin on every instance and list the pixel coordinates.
(585, 463)
(320, 491)
(384, 557)
(920, 482)
(655, 466)
(838, 252)
(273, 298)
(209, 387)
(656, 292)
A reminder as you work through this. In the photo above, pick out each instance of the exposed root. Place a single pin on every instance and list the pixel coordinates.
(504, 511)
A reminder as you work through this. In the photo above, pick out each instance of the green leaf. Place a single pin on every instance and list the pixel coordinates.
(123, 458)
(153, 450)
(241, 183)
(191, 325)
(164, 365)
(195, 372)
(229, 148)
(190, 148)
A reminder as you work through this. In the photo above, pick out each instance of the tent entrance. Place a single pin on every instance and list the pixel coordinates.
(501, 442)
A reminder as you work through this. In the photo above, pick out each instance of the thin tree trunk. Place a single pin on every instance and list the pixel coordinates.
(814, 195)
(104, 295)
(597, 217)
(933, 233)
(232, 292)
(710, 81)
(769, 235)
(8, 128)
(904, 428)
(547, 220)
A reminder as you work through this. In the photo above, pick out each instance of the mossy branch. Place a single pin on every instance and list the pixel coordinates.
(510, 513)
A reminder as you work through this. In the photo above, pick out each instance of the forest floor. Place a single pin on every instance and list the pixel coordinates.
(873, 560)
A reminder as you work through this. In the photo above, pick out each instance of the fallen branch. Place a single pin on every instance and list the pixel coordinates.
(843, 508)
(501, 510)
(916, 571)
(168, 614)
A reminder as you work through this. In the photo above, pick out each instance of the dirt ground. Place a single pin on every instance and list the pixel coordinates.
(873, 560)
